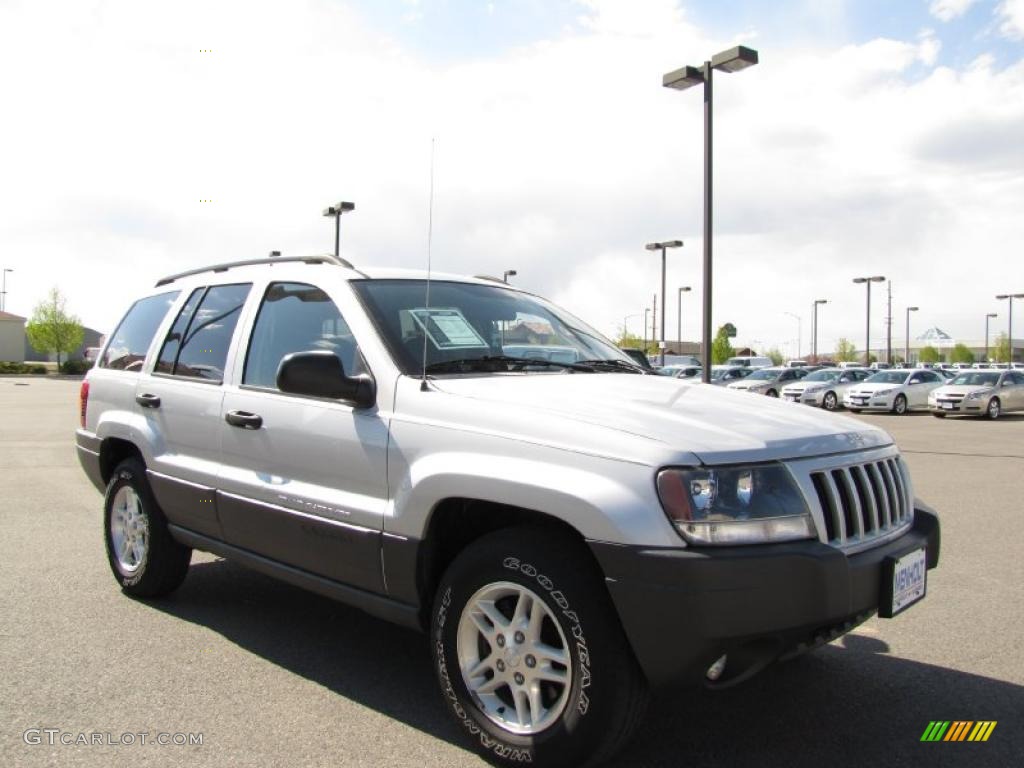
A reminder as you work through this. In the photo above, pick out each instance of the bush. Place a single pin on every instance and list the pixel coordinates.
(8, 367)
(75, 367)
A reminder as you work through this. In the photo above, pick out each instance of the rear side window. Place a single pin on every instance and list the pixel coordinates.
(130, 342)
(197, 345)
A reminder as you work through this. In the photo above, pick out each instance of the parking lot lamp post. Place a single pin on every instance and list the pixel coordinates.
(3, 290)
(988, 317)
(814, 330)
(679, 329)
(507, 274)
(799, 332)
(731, 60)
(646, 311)
(1009, 322)
(337, 210)
(906, 341)
(663, 247)
(867, 335)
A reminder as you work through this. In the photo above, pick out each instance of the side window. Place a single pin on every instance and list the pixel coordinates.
(130, 342)
(296, 317)
(197, 345)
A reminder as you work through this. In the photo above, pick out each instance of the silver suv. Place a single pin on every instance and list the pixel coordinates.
(569, 530)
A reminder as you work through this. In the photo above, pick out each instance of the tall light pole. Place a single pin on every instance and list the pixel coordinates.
(646, 310)
(679, 328)
(3, 290)
(663, 246)
(337, 211)
(814, 329)
(799, 332)
(507, 274)
(989, 316)
(906, 344)
(1009, 322)
(731, 60)
(867, 335)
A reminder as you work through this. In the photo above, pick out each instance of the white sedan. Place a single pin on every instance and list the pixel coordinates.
(824, 388)
(897, 391)
(979, 393)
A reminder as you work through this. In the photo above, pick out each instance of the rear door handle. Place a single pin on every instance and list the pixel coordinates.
(243, 419)
(148, 401)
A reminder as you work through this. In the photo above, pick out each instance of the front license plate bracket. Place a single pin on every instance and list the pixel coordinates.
(904, 582)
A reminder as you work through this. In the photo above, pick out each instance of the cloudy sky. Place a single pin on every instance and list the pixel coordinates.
(874, 137)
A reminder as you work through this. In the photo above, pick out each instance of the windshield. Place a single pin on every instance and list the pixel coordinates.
(764, 374)
(977, 379)
(468, 322)
(887, 377)
(822, 376)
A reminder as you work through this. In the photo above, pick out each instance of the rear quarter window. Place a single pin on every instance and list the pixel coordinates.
(134, 335)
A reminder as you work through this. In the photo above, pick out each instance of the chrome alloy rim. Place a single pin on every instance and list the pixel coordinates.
(129, 530)
(514, 658)
(993, 408)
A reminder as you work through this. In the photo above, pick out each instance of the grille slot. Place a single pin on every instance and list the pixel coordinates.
(863, 501)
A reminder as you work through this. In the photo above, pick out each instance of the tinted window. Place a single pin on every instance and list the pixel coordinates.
(203, 350)
(169, 351)
(130, 342)
(295, 317)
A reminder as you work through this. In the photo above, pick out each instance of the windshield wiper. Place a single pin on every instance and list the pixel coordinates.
(499, 363)
(613, 364)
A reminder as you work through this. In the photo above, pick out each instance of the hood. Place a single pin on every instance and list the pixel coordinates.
(751, 384)
(873, 387)
(653, 419)
(960, 389)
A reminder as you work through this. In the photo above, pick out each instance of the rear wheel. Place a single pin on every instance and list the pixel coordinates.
(145, 560)
(994, 408)
(899, 406)
(530, 656)
(938, 415)
(830, 402)
(854, 410)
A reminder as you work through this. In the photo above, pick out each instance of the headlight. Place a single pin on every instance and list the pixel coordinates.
(735, 505)
(976, 395)
(880, 392)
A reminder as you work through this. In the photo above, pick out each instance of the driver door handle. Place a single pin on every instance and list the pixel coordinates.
(243, 419)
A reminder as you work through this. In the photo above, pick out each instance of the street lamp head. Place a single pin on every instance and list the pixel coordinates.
(734, 59)
(821, 301)
(681, 79)
(684, 289)
(911, 309)
(991, 314)
(339, 208)
(666, 244)
(877, 279)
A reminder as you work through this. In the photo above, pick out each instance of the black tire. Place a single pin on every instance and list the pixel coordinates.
(830, 402)
(938, 415)
(162, 563)
(994, 409)
(607, 695)
(899, 405)
(854, 410)
(772, 393)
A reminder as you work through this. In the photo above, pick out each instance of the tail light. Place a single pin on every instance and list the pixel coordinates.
(83, 402)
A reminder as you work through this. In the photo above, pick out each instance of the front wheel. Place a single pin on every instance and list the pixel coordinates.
(899, 407)
(994, 408)
(145, 559)
(529, 654)
(938, 415)
(772, 393)
(830, 402)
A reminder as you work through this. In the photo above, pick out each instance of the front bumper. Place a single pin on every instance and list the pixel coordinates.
(883, 403)
(88, 448)
(949, 405)
(683, 608)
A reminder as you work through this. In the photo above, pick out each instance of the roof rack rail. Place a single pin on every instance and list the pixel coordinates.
(325, 259)
(491, 278)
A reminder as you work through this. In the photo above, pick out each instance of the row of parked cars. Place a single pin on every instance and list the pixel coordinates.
(946, 391)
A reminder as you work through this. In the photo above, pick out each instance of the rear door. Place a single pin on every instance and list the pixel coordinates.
(303, 479)
(180, 405)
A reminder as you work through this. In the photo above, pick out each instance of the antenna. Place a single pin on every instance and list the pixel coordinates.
(430, 238)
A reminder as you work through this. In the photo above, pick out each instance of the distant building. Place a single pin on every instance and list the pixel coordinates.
(12, 338)
(944, 343)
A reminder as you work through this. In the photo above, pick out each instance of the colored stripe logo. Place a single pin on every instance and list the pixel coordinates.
(958, 730)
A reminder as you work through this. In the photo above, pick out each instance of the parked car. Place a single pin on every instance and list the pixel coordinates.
(896, 391)
(91, 354)
(797, 364)
(681, 360)
(824, 388)
(769, 381)
(750, 361)
(336, 429)
(979, 393)
(877, 366)
(681, 371)
(722, 375)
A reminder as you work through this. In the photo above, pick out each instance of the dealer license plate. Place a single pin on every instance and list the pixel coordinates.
(947, 406)
(905, 582)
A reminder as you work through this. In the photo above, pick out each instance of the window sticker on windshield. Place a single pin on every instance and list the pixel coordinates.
(448, 329)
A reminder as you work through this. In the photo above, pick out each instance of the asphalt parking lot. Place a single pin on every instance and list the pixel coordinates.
(270, 675)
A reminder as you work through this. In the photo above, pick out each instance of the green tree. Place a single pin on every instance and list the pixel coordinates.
(961, 354)
(52, 329)
(775, 355)
(845, 351)
(929, 354)
(721, 349)
(1001, 351)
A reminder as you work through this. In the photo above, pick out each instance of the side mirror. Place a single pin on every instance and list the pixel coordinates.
(321, 374)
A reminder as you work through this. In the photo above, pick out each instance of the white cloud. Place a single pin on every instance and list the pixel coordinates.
(1011, 19)
(559, 159)
(947, 10)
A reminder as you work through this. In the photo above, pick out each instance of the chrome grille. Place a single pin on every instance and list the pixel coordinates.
(862, 501)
